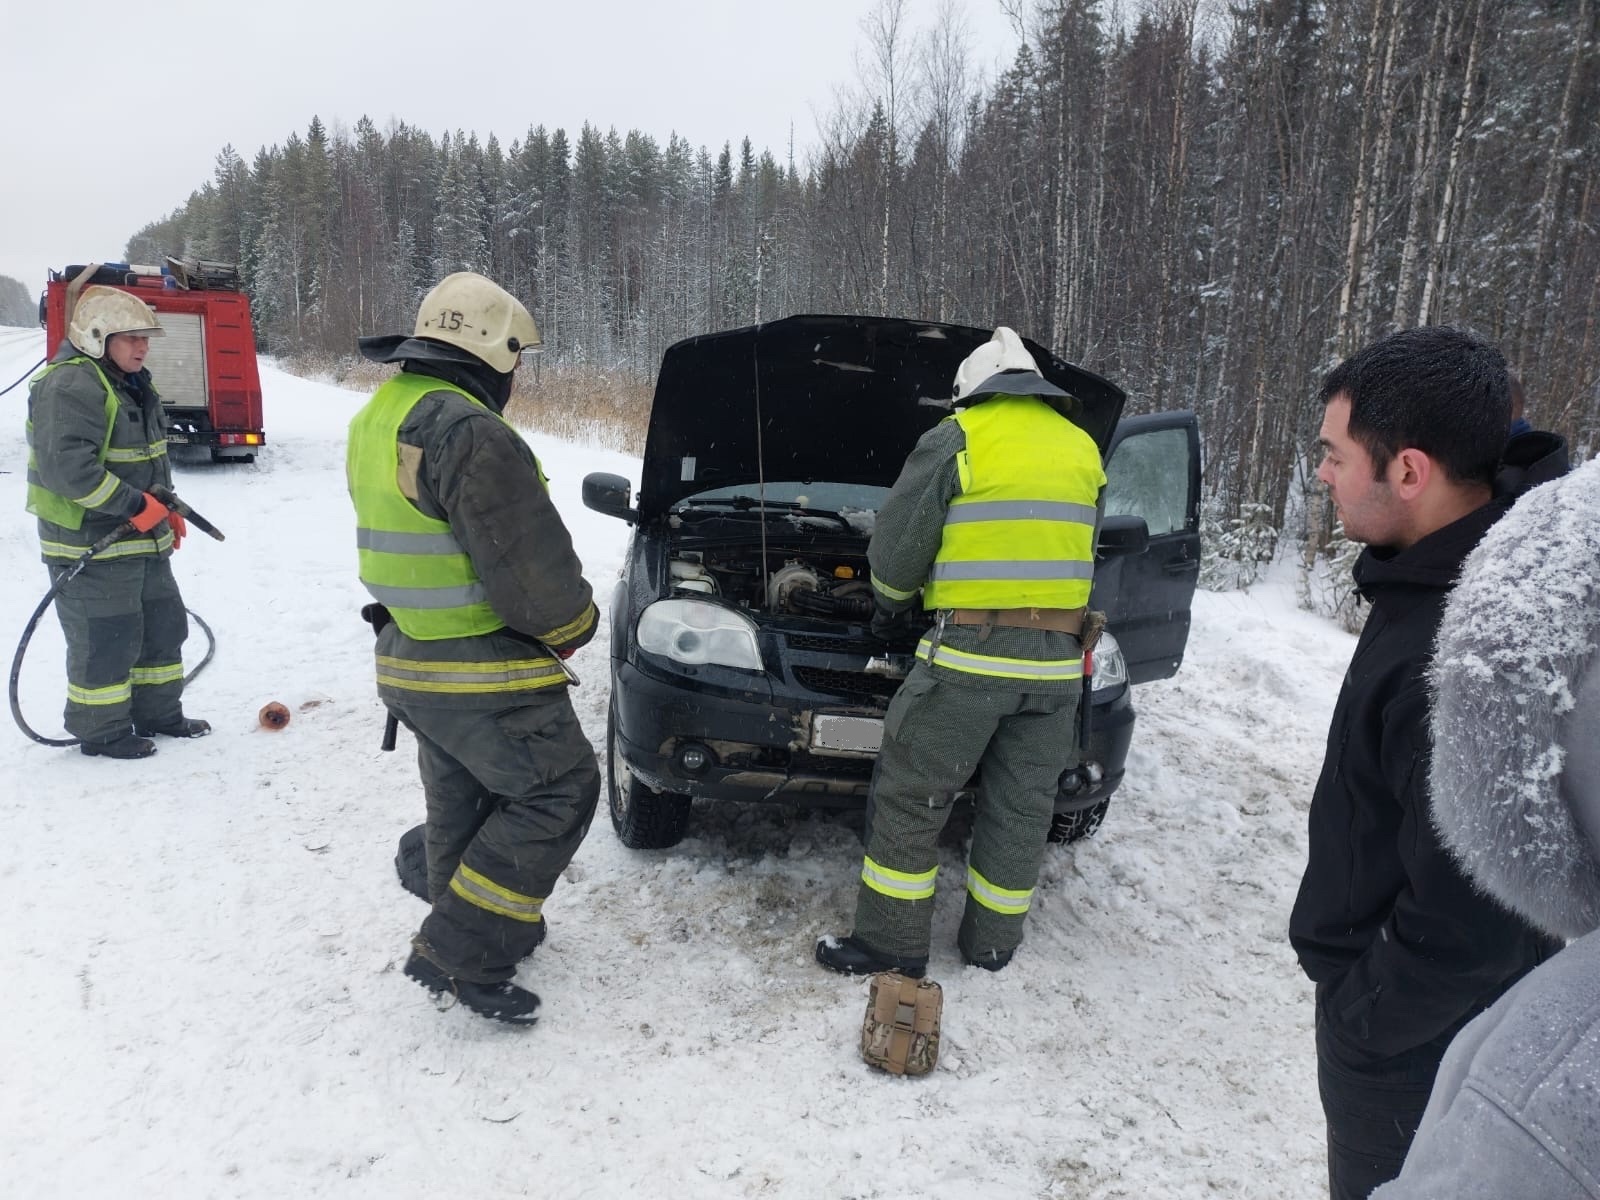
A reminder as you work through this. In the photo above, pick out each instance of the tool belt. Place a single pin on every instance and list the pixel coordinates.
(901, 1031)
(1059, 620)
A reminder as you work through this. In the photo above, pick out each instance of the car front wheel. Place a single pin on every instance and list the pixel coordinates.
(644, 818)
(1075, 826)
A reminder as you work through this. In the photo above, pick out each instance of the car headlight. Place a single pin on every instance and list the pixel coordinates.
(694, 633)
(1110, 668)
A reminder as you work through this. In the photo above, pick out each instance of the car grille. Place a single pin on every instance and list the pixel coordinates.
(852, 685)
(825, 644)
(836, 768)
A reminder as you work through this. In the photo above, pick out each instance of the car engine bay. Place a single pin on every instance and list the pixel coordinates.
(826, 586)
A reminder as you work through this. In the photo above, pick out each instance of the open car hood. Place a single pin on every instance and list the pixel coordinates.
(819, 398)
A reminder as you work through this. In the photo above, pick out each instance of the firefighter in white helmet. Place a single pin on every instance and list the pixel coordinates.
(990, 529)
(479, 598)
(97, 445)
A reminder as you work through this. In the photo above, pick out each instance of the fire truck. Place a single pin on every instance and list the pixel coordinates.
(205, 366)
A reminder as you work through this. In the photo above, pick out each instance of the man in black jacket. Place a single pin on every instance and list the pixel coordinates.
(1402, 948)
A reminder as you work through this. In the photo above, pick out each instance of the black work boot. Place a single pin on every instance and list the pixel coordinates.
(851, 956)
(124, 746)
(184, 727)
(502, 1001)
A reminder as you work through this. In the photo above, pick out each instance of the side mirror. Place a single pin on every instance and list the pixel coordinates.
(609, 494)
(1118, 535)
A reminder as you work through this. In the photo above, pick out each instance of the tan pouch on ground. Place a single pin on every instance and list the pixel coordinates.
(901, 1031)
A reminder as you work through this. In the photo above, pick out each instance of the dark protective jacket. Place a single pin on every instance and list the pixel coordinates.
(72, 459)
(1403, 947)
(460, 462)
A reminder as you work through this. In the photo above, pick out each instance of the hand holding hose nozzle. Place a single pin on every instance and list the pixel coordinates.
(170, 498)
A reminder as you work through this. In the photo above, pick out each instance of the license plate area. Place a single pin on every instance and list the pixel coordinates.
(846, 735)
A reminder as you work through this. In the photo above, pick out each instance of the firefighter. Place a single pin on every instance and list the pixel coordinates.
(993, 518)
(480, 596)
(97, 445)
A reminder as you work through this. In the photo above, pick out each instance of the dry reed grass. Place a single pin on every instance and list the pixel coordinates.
(577, 404)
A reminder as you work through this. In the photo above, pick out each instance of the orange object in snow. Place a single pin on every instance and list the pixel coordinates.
(274, 716)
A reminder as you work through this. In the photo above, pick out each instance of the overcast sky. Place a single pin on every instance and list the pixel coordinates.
(114, 112)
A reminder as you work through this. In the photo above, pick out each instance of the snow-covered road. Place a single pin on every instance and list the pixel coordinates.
(201, 950)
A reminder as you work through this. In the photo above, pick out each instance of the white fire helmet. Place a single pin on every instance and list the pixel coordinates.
(479, 316)
(1003, 352)
(102, 311)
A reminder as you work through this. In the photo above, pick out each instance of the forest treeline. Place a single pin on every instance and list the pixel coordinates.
(1209, 204)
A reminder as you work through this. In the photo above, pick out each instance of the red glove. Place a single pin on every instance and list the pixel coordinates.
(566, 653)
(180, 527)
(152, 514)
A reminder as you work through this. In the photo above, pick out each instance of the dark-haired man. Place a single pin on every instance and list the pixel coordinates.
(1402, 948)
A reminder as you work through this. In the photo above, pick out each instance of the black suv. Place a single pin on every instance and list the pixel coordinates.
(742, 667)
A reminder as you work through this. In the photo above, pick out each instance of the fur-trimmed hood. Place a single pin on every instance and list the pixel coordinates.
(1515, 781)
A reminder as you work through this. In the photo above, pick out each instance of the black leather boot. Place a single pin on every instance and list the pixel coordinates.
(503, 1001)
(184, 727)
(851, 956)
(126, 746)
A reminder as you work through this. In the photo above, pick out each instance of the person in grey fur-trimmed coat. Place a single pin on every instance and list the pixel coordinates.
(1515, 1109)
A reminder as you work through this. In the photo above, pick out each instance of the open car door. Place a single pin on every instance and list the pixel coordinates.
(1153, 473)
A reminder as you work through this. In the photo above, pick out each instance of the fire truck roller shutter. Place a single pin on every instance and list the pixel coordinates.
(178, 362)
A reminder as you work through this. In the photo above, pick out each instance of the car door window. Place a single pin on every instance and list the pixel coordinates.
(1148, 476)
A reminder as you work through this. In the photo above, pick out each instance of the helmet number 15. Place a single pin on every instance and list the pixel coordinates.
(450, 319)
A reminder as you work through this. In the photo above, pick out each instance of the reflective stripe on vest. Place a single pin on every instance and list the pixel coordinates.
(1021, 533)
(67, 511)
(1008, 902)
(898, 885)
(410, 562)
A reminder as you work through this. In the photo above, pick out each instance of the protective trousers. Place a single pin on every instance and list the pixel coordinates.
(510, 794)
(936, 733)
(124, 623)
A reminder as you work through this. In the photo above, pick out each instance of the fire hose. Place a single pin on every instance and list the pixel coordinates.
(168, 497)
(21, 377)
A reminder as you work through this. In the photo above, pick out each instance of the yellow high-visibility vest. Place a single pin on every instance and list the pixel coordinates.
(1021, 533)
(409, 561)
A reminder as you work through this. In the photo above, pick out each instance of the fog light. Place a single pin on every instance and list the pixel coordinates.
(694, 759)
(1089, 774)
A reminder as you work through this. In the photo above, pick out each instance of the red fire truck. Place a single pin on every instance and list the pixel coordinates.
(205, 366)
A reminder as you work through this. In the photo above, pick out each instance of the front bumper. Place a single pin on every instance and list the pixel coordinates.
(728, 746)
